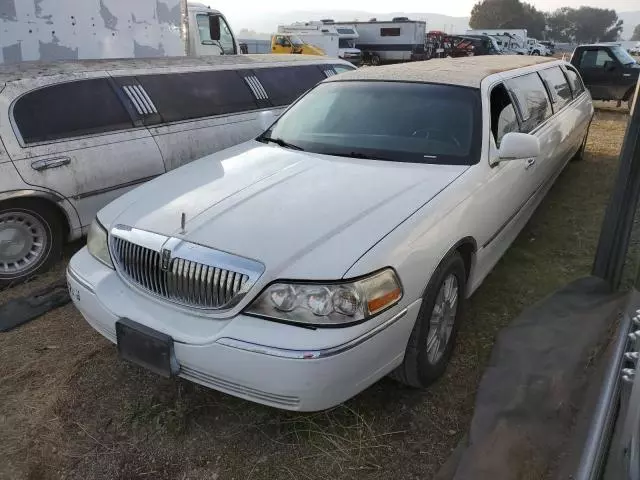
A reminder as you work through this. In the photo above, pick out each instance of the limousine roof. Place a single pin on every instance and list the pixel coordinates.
(466, 71)
(18, 71)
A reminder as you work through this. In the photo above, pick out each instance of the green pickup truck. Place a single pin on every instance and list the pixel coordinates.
(608, 71)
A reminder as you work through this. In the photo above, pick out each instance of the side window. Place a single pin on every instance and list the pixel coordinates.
(503, 114)
(285, 84)
(558, 87)
(69, 110)
(226, 42)
(342, 68)
(595, 58)
(282, 41)
(531, 97)
(575, 82)
(183, 96)
(390, 32)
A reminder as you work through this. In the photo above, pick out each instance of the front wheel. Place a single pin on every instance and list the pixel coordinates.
(30, 239)
(535, 53)
(433, 337)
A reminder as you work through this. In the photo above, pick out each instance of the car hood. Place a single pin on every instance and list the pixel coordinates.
(302, 215)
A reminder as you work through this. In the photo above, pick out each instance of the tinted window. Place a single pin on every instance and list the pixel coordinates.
(181, 96)
(532, 99)
(285, 84)
(595, 58)
(558, 86)
(390, 32)
(395, 121)
(503, 114)
(577, 87)
(69, 110)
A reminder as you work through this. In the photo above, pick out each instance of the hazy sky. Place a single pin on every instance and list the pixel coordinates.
(249, 9)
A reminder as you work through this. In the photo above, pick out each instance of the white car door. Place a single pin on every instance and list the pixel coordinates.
(72, 134)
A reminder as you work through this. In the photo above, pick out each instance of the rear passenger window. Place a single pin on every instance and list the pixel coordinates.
(532, 99)
(558, 87)
(343, 68)
(183, 96)
(285, 84)
(577, 87)
(69, 110)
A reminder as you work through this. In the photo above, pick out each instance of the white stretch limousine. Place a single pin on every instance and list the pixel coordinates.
(76, 135)
(340, 245)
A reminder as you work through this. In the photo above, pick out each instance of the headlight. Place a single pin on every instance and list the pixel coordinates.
(330, 304)
(97, 243)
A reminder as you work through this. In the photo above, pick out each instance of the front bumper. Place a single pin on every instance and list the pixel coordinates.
(242, 356)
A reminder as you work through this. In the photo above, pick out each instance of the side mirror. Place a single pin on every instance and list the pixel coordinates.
(266, 119)
(214, 27)
(518, 146)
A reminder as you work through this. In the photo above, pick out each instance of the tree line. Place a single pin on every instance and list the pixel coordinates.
(576, 25)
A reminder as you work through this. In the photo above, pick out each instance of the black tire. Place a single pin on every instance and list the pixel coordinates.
(417, 369)
(535, 53)
(375, 60)
(45, 225)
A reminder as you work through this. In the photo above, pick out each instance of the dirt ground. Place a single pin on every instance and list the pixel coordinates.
(69, 408)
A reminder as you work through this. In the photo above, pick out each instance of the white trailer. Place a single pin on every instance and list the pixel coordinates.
(398, 40)
(92, 29)
(336, 42)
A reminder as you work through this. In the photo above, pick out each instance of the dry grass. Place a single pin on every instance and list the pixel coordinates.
(70, 409)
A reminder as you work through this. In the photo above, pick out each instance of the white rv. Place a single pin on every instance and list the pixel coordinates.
(51, 31)
(336, 42)
(398, 40)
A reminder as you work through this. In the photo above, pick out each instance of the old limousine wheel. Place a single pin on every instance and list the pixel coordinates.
(30, 239)
(433, 336)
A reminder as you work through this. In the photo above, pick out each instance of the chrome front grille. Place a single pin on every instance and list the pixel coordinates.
(165, 273)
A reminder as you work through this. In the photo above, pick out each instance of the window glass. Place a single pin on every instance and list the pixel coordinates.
(390, 32)
(342, 68)
(533, 102)
(69, 110)
(577, 87)
(622, 55)
(503, 114)
(226, 42)
(285, 84)
(558, 86)
(181, 96)
(393, 121)
(595, 58)
(346, 43)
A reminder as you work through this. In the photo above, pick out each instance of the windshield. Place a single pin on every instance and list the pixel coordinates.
(346, 43)
(622, 55)
(404, 122)
(297, 41)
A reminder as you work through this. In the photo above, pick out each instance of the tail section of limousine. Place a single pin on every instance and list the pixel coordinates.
(76, 135)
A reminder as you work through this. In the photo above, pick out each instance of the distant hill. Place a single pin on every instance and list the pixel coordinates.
(262, 26)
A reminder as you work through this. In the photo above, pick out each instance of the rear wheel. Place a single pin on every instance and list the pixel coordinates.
(535, 53)
(375, 60)
(433, 337)
(30, 239)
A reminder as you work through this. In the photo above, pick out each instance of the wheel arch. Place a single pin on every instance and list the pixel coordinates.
(40, 196)
(629, 93)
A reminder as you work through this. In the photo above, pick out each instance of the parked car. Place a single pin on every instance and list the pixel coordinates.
(339, 246)
(608, 71)
(76, 135)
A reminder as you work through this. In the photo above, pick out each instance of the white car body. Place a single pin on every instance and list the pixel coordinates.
(256, 201)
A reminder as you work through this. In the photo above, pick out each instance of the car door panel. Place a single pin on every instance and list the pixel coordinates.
(91, 168)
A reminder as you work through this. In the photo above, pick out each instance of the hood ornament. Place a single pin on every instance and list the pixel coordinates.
(183, 220)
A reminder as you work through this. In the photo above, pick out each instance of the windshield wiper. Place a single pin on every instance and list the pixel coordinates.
(280, 142)
(356, 155)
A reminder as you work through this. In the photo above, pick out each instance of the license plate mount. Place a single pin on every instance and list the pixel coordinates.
(146, 347)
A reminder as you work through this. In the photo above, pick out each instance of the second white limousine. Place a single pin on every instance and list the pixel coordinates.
(340, 245)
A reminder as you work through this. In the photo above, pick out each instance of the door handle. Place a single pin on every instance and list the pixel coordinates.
(46, 163)
(530, 163)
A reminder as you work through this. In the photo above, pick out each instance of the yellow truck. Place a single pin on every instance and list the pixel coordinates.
(290, 43)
